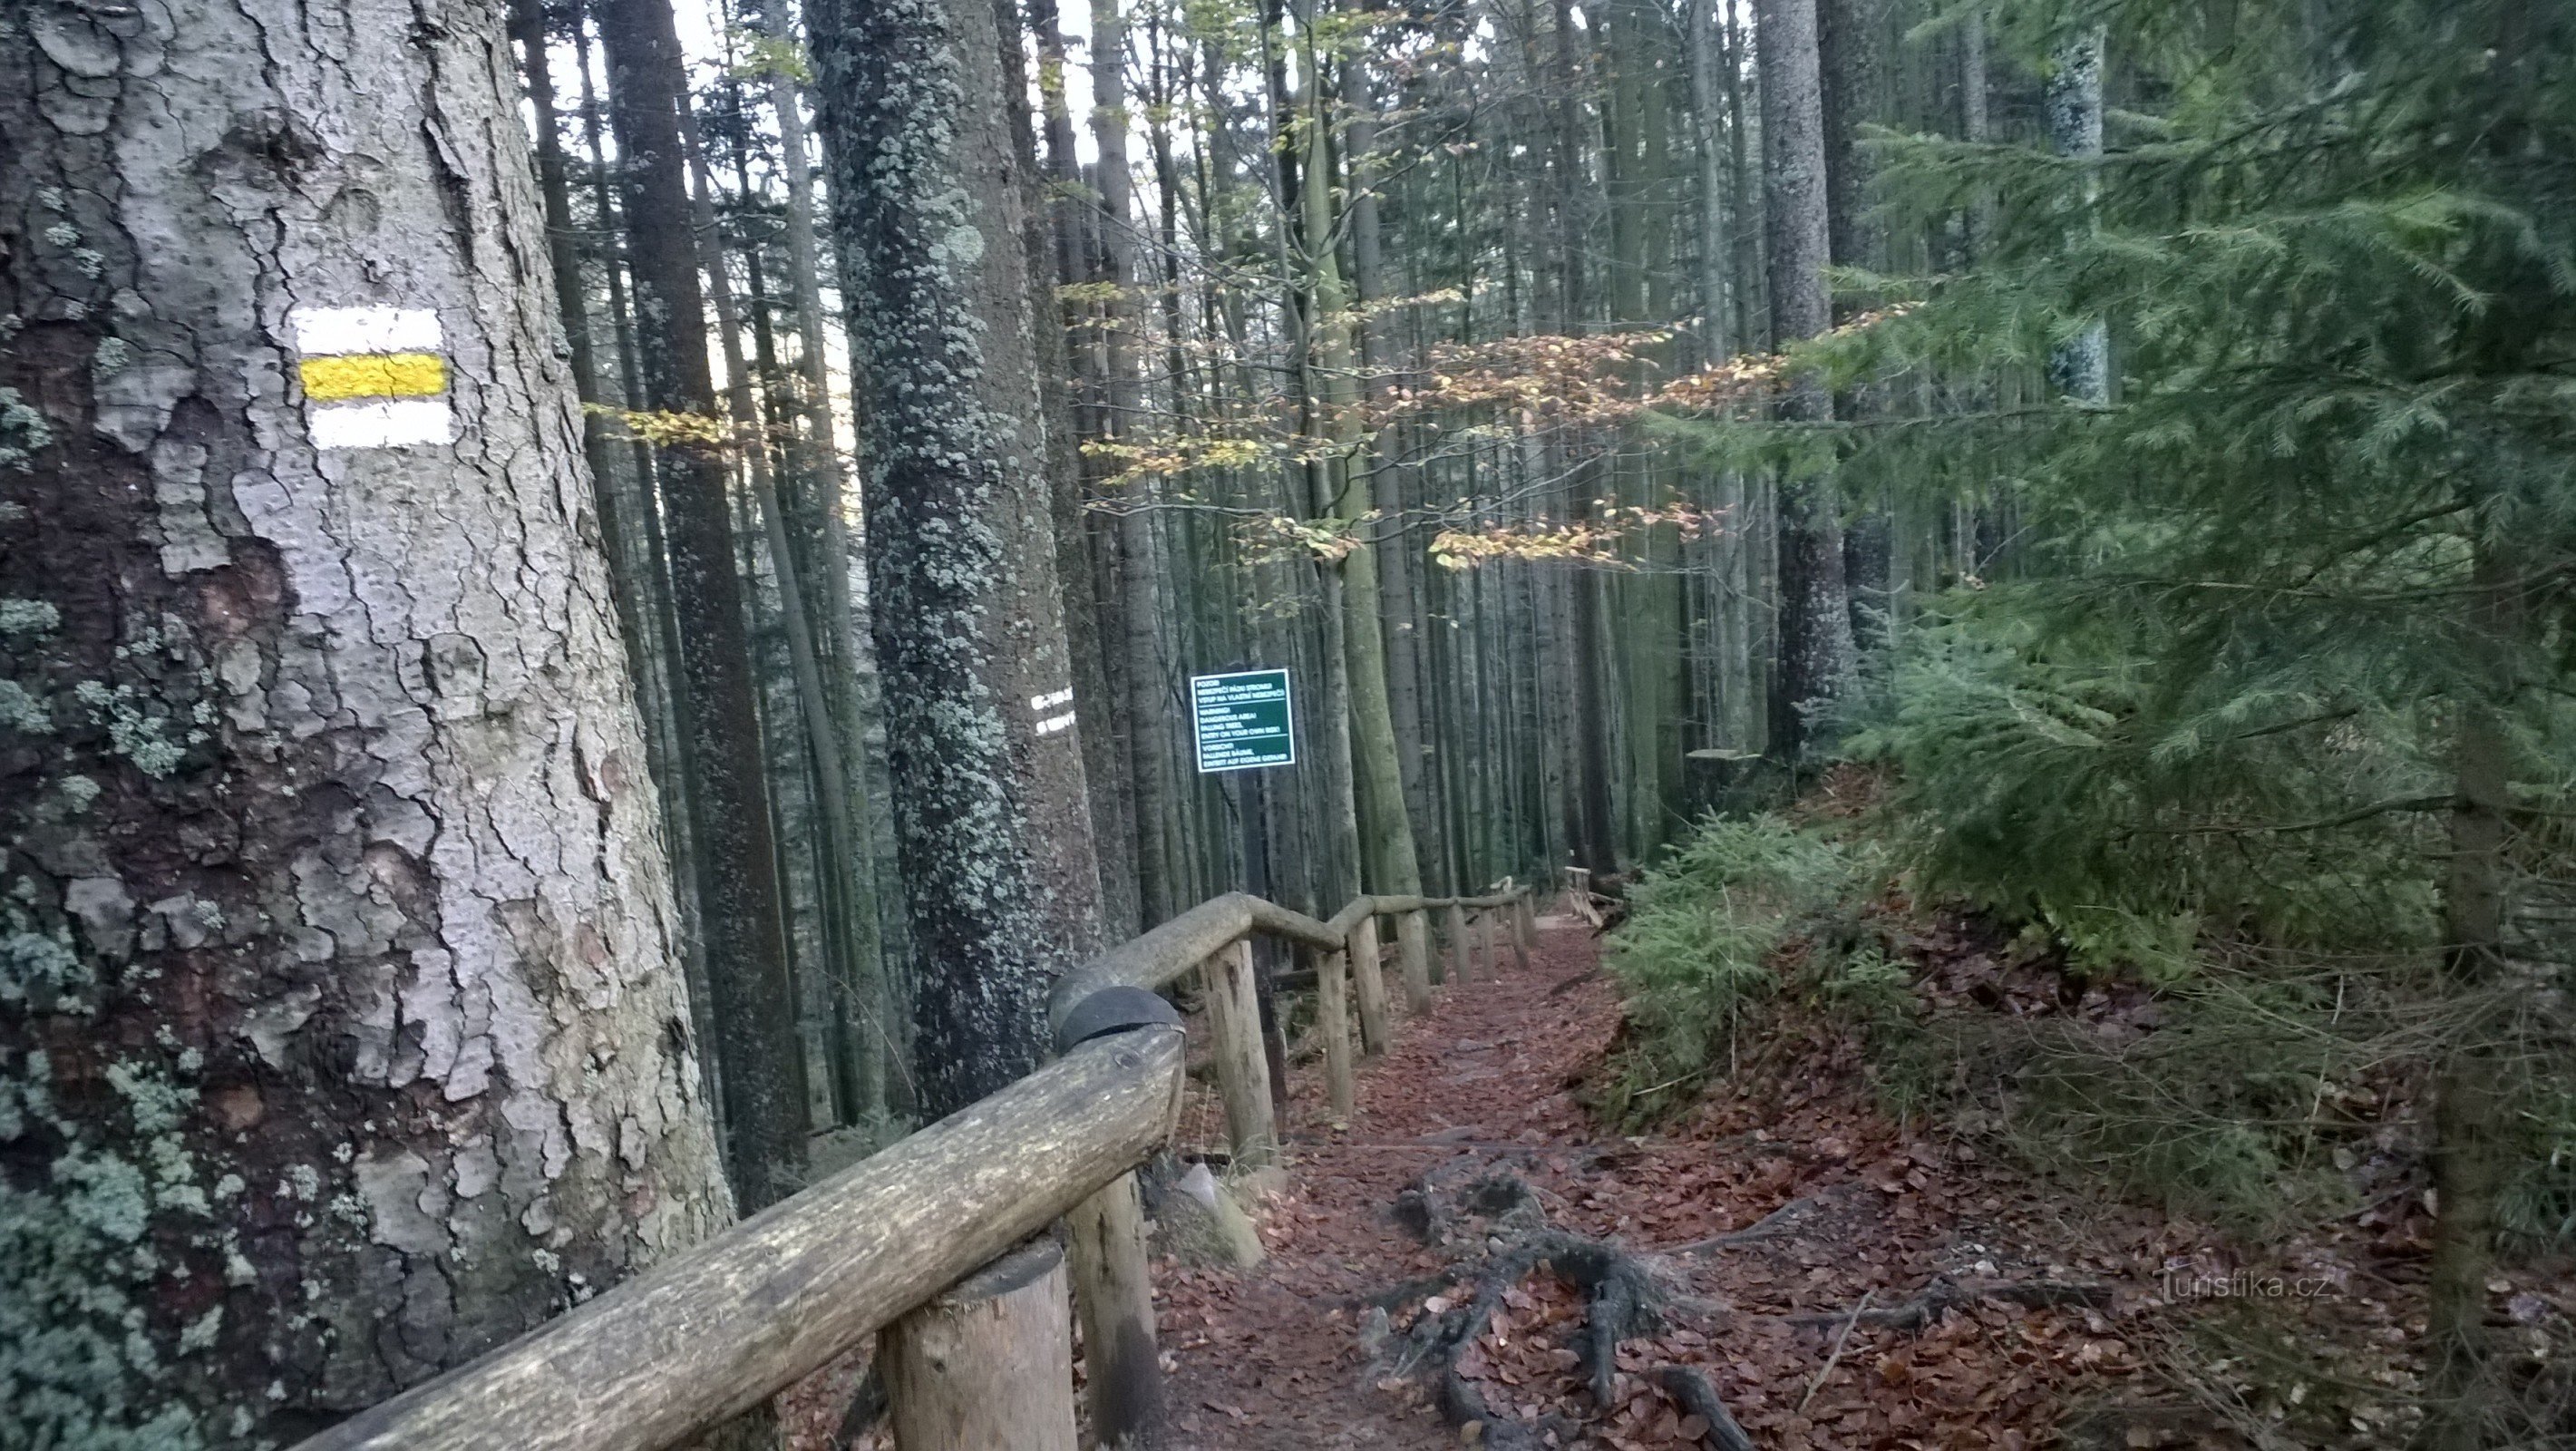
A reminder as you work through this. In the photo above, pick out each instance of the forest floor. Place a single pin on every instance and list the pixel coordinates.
(1841, 1281)
(1898, 1289)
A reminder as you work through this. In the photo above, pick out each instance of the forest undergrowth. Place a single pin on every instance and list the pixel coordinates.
(2263, 1093)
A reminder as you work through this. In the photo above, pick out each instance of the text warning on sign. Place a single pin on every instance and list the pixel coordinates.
(1242, 720)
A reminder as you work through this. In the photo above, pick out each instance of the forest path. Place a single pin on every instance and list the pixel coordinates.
(1942, 1248)
(1269, 1358)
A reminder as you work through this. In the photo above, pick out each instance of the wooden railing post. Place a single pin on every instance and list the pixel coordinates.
(1486, 946)
(1113, 1292)
(1413, 943)
(988, 1366)
(1370, 978)
(1463, 965)
(1333, 1022)
(1242, 1073)
(1524, 931)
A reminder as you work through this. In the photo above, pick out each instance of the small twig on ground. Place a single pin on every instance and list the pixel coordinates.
(1836, 1358)
(1667, 1083)
(1769, 1226)
(1945, 1295)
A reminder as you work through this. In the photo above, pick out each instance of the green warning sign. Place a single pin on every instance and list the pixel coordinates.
(1242, 720)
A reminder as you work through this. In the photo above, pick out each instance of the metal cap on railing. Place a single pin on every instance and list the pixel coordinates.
(1112, 1010)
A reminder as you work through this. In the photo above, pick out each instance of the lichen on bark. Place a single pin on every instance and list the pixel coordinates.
(340, 1037)
(933, 206)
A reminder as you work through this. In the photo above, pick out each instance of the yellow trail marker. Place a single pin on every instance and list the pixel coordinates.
(376, 375)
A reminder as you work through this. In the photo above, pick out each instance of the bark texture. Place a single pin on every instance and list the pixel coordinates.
(1817, 658)
(341, 1032)
(933, 202)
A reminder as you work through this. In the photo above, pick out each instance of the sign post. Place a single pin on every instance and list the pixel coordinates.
(1243, 720)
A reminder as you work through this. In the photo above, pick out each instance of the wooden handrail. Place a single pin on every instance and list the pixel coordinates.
(702, 1337)
(1157, 957)
(720, 1329)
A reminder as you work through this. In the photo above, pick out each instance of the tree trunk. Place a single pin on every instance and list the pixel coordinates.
(836, 852)
(1396, 554)
(1083, 567)
(933, 203)
(826, 570)
(1707, 106)
(1851, 46)
(344, 1037)
(2080, 367)
(1816, 653)
(751, 996)
(1386, 827)
(2473, 1113)
(1149, 702)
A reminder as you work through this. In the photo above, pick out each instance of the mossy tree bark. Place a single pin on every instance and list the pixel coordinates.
(933, 200)
(341, 1031)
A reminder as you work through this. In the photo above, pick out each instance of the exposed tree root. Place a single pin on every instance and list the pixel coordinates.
(1693, 1392)
(1770, 1226)
(1625, 1296)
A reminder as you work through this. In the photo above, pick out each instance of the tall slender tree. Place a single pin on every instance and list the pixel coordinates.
(752, 1001)
(1817, 659)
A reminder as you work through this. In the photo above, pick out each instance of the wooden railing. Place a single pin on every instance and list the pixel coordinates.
(715, 1331)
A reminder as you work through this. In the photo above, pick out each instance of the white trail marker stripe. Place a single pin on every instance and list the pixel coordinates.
(382, 423)
(364, 329)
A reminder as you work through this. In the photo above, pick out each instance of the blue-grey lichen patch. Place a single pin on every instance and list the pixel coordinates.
(82, 1364)
(139, 732)
(39, 970)
(28, 617)
(23, 430)
(20, 711)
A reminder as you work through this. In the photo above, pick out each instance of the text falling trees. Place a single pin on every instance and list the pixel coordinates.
(933, 203)
(341, 1036)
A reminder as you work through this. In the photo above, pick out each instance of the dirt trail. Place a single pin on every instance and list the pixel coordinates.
(1270, 1357)
(1910, 1234)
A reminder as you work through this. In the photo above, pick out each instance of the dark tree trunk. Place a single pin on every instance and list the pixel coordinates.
(1083, 572)
(1150, 715)
(751, 997)
(1852, 51)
